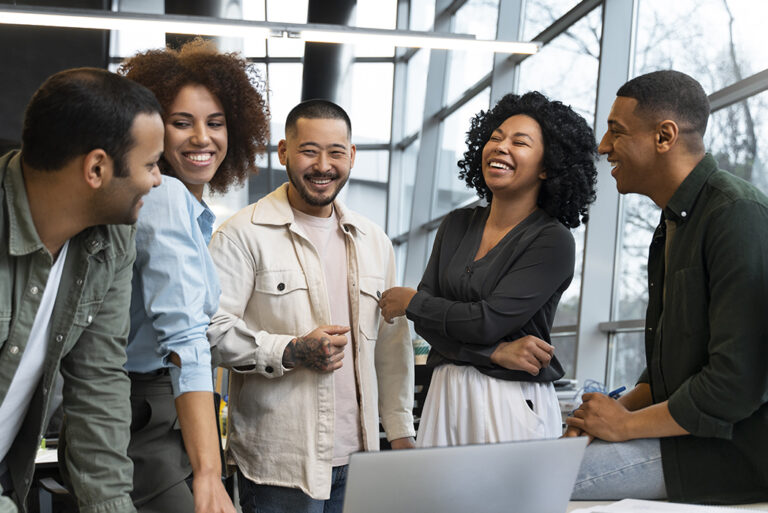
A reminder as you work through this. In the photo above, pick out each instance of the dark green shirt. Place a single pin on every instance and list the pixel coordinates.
(706, 337)
(88, 330)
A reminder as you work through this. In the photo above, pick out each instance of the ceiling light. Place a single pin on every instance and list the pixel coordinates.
(175, 24)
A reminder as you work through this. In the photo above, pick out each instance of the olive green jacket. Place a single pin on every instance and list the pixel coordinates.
(706, 337)
(88, 331)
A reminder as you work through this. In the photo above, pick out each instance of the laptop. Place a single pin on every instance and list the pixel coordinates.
(513, 477)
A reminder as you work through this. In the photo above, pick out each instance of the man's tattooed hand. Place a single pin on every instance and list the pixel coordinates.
(322, 349)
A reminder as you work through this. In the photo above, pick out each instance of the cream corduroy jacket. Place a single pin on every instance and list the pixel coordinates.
(273, 290)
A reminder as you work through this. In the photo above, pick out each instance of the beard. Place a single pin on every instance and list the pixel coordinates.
(316, 200)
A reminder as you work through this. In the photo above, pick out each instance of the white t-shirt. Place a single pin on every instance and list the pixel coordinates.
(16, 402)
(328, 239)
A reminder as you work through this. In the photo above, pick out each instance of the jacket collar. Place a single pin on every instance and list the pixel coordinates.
(23, 238)
(274, 209)
(682, 201)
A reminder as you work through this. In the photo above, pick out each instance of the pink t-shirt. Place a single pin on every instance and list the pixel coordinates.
(327, 237)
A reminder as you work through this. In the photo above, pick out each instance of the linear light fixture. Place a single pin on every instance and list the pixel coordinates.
(175, 24)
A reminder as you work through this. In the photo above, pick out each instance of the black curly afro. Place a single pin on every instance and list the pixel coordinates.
(569, 154)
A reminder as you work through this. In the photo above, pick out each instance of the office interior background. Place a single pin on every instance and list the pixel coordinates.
(410, 110)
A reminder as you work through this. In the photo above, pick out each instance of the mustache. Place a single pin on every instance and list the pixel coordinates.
(329, 176)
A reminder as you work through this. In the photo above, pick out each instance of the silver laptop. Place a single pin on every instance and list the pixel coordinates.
(515, 477)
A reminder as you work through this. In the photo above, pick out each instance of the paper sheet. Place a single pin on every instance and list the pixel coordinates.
(639, 506)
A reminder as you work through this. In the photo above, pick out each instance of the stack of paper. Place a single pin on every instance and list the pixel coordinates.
(638, 506)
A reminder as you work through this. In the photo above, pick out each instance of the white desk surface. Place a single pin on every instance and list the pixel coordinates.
(763, 506)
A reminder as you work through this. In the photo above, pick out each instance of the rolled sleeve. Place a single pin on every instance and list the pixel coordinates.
(685, 411)
(236, 346)
(118, 505)
(195, 372)
(179, 289)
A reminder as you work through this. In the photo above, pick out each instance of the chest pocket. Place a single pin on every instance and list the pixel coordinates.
(371, 288)
(281, 299)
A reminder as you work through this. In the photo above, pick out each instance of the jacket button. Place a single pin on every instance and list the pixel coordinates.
(281, 286)
(34, 290)
(269, 369)
(14, 349)
(59, 337)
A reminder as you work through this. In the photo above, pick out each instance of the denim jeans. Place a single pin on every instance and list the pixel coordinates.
(256, 498)
(614, 471)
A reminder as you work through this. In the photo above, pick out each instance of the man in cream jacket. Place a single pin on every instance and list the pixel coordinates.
(313, 363)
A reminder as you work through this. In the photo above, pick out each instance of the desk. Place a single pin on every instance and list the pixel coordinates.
(573, 505)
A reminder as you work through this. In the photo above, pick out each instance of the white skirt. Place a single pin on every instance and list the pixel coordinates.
(464, 406)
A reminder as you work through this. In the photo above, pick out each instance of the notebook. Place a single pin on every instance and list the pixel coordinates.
(530, 477)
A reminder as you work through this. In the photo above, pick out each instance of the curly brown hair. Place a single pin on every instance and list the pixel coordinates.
(231, 79)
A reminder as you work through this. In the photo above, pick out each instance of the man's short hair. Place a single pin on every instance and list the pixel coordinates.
(316, 109)
(79, 110)
(670, 94)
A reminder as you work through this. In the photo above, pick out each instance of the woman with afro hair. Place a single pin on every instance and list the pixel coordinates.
(216, 122)
(489, 293)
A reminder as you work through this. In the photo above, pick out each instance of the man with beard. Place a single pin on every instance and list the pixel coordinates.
(313, 364)
(90, 145)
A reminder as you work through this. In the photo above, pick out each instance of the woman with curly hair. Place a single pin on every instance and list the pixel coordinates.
(216, 121)
(489, 293)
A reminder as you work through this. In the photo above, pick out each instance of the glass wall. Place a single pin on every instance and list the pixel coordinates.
(450, 191)
(719, 44)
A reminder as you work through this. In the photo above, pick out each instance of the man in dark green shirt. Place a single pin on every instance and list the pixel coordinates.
(695, 428)
(90, 145)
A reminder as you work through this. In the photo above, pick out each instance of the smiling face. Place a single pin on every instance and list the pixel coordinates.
(318, 156)
(513, 159)
(195, 137)
(122, 196)
(630, 144)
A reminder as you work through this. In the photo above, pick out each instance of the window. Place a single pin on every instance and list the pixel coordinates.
(407, 172)
(626, 360)
(452, 192)
(539, 14)
(370, 100)
(566, 69)
(415, 92)
(476, 17)
(717, 43)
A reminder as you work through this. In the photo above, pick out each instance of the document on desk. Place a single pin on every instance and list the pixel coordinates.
(640, 506)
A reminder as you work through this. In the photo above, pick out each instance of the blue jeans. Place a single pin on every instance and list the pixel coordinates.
(256, 498)
(614, 471)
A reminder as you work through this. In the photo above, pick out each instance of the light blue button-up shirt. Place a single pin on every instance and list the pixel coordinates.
(175, 288)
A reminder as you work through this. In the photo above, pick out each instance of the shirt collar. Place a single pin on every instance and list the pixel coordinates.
(680, 206)
(23, 236)
(274, 209)
(204, 215)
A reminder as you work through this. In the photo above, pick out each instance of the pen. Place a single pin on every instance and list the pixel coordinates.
(617, 393)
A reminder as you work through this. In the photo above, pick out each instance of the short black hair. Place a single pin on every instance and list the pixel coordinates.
(317, 109)
(79, 110)
(669, 94)
(569, 154)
